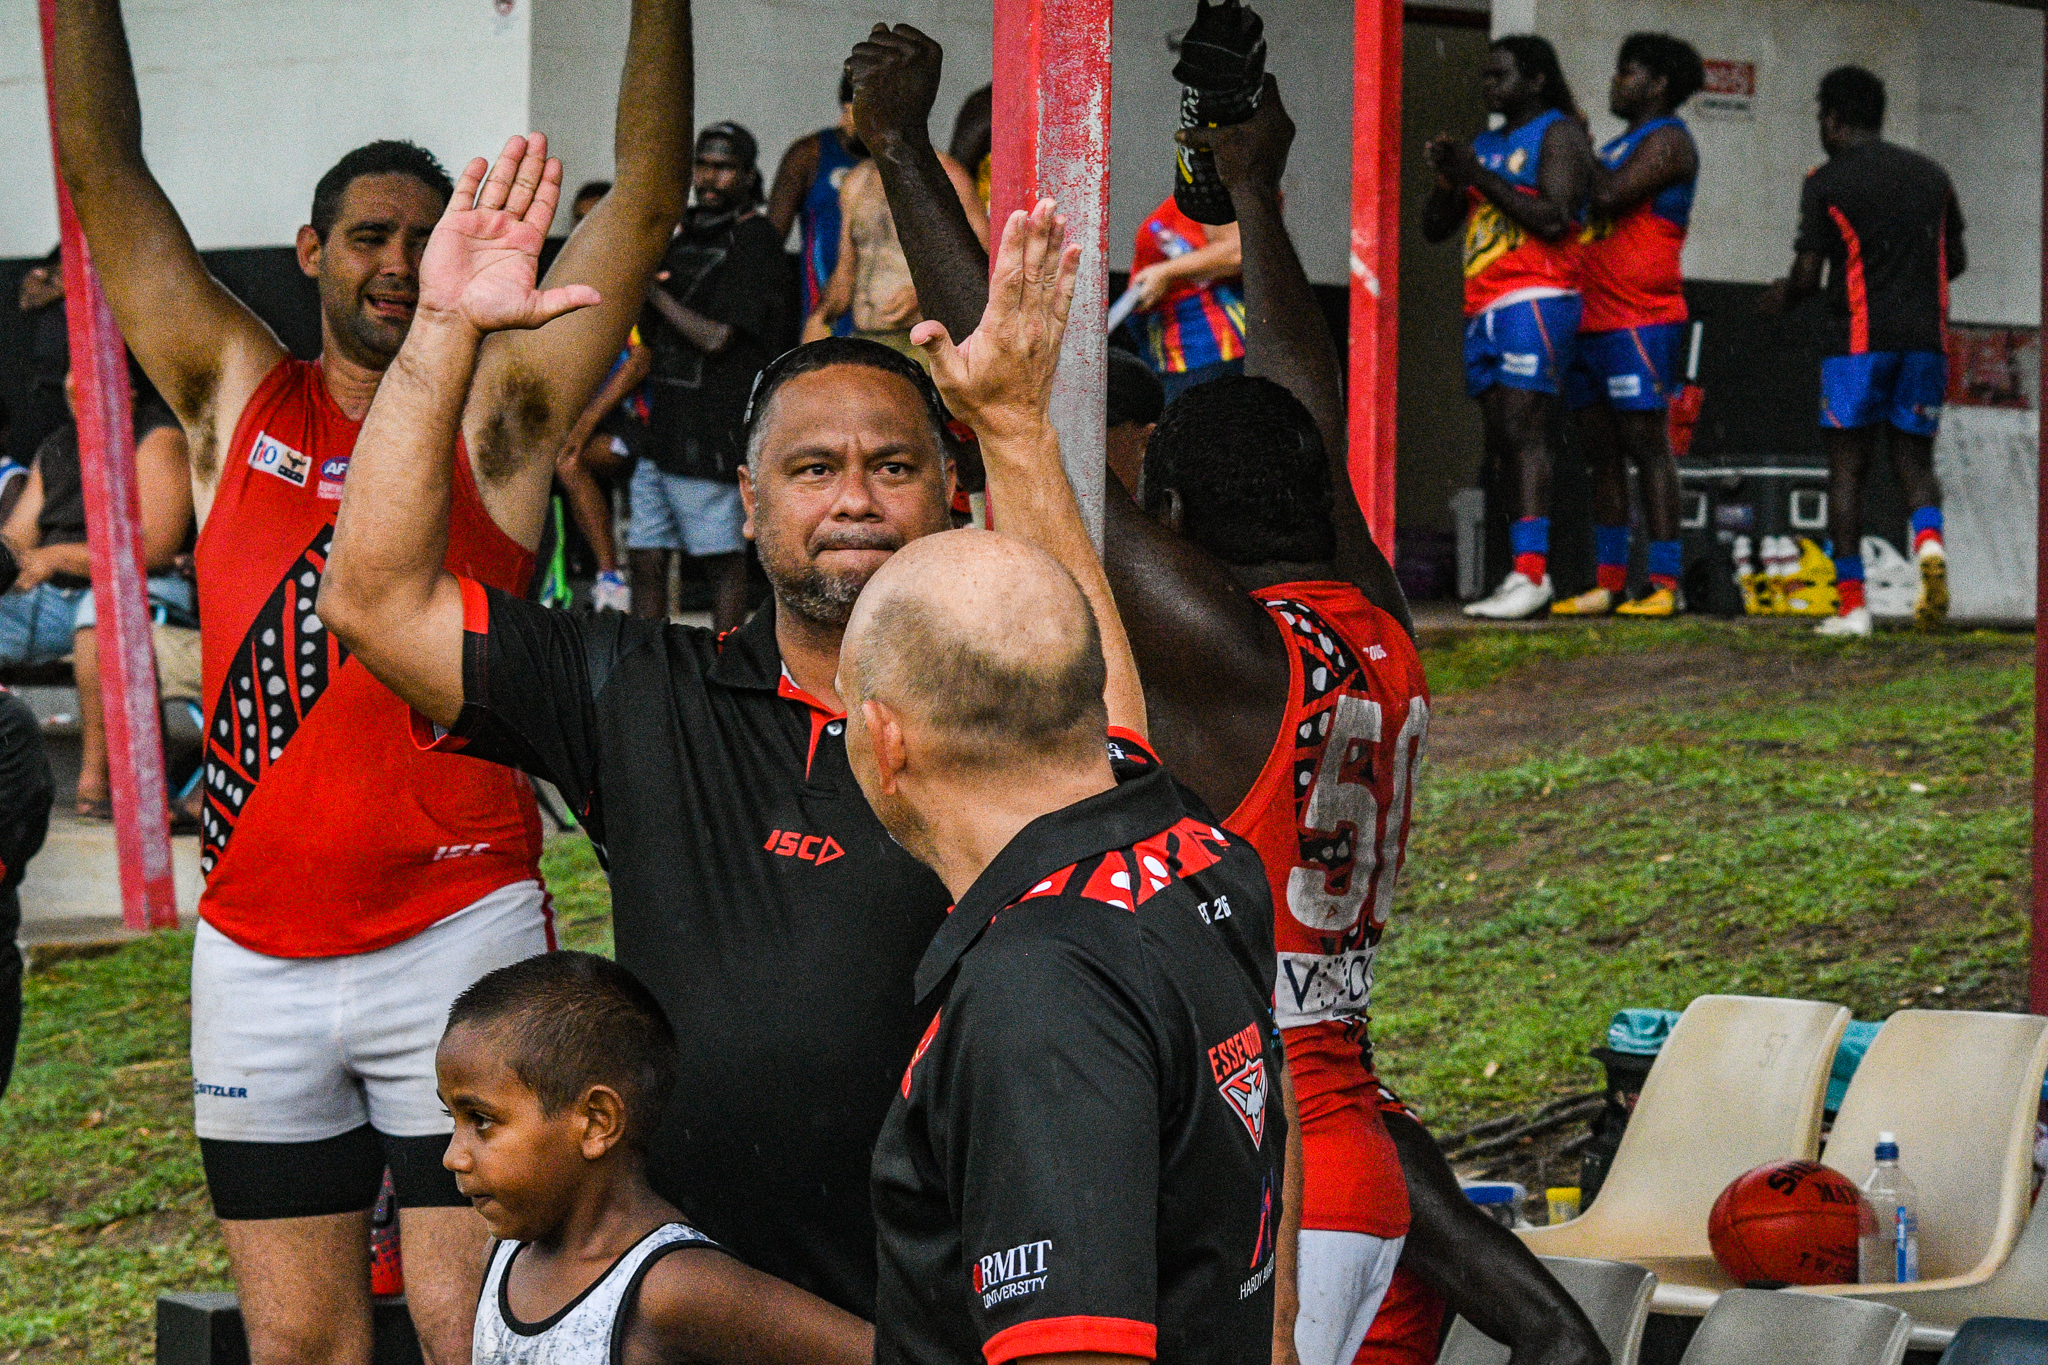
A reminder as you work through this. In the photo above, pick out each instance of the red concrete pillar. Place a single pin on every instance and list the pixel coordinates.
(113, 517)
(1052, 138)
(1375, 258)
(2037, 993)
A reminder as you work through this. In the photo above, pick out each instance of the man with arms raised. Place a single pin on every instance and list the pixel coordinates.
(353, 886)
(752, 888)
(1306, 729)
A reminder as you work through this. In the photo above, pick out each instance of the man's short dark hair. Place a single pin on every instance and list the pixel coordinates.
(1251, 471)
(387, 157)
(568, 1021)
(1674, 59)
(830, 351)
(1535, 56)
(1854, 96)
(1135, 393)
(592, 189)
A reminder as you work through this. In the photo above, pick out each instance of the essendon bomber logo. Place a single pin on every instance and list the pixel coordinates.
(1005, 1275)
(1239, 1063)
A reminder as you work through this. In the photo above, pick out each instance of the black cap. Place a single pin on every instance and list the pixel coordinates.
(745, 149)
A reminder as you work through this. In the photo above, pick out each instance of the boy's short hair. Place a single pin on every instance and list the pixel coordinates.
(569, 1021)
(1855, 96)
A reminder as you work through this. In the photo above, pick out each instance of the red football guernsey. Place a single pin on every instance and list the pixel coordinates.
(325, 831)
(1329, 818)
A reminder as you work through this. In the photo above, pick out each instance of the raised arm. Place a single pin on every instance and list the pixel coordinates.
(386, 593)
(1666, 157)
(1552, 212)
(895, 75)
(200, 345)
(1285, 337)
(531, 385)
(999, 381)
(793, 178)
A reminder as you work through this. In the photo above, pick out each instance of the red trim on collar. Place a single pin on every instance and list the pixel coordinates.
(821, 714)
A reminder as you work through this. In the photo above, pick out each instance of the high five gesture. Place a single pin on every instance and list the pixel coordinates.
(481, 263)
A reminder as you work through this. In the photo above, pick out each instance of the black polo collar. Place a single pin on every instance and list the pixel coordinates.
(749, 658)
(1132, 811)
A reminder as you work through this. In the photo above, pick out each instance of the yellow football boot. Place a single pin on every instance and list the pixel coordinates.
(1932, 608)
(1658, 602)
(1597, 602)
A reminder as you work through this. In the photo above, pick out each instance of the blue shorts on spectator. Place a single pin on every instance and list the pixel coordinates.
(36, 625)
(701, 517)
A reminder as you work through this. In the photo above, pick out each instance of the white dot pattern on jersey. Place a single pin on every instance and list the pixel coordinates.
(583, 1332)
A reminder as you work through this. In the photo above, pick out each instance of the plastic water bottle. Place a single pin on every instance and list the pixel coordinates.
(1221, 71)
(1888, 1251)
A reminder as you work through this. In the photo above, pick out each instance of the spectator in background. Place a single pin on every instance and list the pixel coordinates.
(50, 612)
(26, 793)
(973, 143)
(49, 355)
(1887, 224)
(806, 193)
(1518, 191)
(871, 282)
(722, 307)
(1136, 398)
(1632, 337)
(1190, 312)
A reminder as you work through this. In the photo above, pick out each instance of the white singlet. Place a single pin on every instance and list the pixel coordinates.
(586, 1329)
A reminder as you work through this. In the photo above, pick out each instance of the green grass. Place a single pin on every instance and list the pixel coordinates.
(1840, 825)
(1626, 815)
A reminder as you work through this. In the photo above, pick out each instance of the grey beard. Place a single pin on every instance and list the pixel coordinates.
(819, 597)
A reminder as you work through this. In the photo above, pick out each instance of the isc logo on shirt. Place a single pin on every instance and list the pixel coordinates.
(273, 456)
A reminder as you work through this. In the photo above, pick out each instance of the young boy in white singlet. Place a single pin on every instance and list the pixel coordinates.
(555, 1070)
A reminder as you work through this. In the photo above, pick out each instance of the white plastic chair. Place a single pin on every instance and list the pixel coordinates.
(1740, 1082)
(1615, 1296)
(1961, 1090)
(1767, 1327)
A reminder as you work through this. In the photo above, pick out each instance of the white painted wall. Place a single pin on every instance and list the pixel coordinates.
(246, 102)
(1964, 84)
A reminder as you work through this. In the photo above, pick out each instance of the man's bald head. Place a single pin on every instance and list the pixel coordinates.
(987, 641)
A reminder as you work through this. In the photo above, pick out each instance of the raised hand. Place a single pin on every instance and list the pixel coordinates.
(999, 380)
(483, 259)
(895, 75)
(1252, 154)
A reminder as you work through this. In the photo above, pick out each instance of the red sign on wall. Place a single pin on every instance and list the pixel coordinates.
(1730, 91)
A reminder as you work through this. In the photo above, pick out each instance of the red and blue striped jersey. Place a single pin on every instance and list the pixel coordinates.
(1195, 324)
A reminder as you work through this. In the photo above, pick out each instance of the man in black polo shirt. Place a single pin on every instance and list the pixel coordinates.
(1887, 224)
(1084, 1157)
(752, 888)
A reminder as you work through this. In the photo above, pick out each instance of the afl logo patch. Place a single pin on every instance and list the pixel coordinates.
(273, 456)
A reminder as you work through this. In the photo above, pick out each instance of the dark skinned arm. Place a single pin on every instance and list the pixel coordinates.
(1444, 211)
(1285, 338)
(792, 182)
(1665, 157)
(1483, 1271)
(895, 74)
(1552, 212)
(628, 377)
(706, 335)
(699, 1304)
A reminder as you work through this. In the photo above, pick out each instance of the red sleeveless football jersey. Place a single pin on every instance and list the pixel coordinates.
(325, 830)
(1329, 817)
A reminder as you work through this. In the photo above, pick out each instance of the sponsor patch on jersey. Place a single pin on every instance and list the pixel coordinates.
(817, 849)
(1624, 386)
(1239, 1065)
(273, 456)
(1517, 363)
(332, 474)
(1004, 1275)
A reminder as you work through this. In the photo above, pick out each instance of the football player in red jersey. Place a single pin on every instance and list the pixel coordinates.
(353, 885)
(1255, 585)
